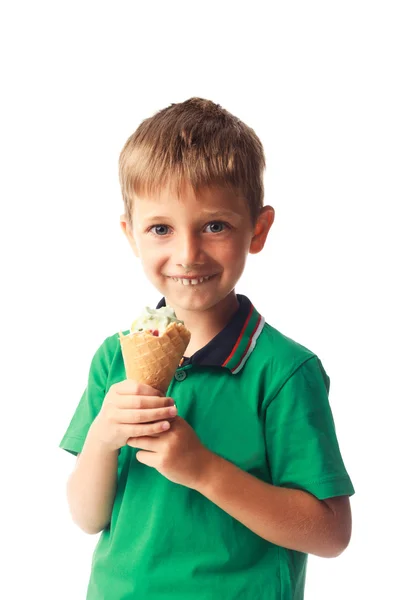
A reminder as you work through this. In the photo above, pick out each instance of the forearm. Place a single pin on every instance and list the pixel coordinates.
(290, 518)
(92, 485)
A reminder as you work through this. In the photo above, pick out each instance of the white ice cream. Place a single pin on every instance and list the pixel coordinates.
(154, 319)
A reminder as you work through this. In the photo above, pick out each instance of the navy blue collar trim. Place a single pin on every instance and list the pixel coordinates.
(220, 347)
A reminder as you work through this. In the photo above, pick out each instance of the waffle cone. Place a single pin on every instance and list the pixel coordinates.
(154, 359)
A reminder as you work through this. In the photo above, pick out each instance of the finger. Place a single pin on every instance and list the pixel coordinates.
(142, 402)
(144, 415)
(144, 443)
(147, 458)
(130, 386)
(146, 429)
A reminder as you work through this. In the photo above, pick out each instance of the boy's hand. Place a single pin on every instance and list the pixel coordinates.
(129, 410)
(178, 454)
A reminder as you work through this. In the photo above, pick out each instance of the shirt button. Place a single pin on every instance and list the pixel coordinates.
(180, 375)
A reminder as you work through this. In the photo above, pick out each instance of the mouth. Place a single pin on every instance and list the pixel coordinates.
(193, 280)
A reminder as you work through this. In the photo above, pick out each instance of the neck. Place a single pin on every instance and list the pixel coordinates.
(205, 325)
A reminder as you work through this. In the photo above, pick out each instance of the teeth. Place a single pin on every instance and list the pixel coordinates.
(191, 281)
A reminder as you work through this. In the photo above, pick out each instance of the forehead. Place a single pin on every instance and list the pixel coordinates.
(208, 200)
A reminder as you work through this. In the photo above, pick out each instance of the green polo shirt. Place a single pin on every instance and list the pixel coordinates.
(259, 400)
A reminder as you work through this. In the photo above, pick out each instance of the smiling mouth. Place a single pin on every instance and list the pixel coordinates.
(195, 281)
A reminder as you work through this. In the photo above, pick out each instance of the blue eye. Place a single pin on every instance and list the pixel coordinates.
(160, 230)
(216, 226)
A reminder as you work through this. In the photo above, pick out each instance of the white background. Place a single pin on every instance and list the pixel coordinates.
(319, 83)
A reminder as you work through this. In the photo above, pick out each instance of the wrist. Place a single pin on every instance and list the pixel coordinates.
(209, 465)
(95, 441)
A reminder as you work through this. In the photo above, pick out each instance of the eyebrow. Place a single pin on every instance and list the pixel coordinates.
(205, 214)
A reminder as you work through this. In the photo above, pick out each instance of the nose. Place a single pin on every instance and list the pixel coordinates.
(189, 250)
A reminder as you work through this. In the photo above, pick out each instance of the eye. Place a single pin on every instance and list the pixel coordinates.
(217, 226)
(159, 230)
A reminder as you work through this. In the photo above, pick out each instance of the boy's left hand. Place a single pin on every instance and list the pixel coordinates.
(176, 453)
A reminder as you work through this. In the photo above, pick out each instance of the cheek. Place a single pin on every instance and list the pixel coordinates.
(152, 257)
(233, 253)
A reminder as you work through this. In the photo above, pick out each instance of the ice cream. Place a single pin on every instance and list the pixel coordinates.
(155, 320)
(154, 347)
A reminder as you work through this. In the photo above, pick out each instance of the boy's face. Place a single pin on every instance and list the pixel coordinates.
(180, 241)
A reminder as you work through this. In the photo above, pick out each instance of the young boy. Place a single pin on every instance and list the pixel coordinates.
(228, 497)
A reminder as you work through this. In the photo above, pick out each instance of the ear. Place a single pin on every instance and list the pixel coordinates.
(127, 231)
(263, 225)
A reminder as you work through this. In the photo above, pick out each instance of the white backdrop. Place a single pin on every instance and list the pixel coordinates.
(319, 83)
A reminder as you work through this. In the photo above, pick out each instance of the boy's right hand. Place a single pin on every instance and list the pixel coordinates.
(131, 409)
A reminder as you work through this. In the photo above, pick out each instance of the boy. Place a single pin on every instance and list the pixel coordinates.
(228, 497)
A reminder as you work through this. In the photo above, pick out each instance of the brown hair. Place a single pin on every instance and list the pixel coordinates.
(197, 142)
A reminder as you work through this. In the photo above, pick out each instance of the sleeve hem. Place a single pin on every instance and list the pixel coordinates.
(72, 444)
(330, 487)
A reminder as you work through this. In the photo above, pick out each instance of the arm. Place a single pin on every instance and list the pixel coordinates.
(130, 409)
(91, 486)
(286, 517)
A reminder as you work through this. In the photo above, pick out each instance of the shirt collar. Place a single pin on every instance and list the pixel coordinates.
(232, 346)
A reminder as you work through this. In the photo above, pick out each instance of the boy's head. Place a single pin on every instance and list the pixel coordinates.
(192, 186)
(196, 142)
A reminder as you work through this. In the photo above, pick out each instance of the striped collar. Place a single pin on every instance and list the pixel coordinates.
(232, 346)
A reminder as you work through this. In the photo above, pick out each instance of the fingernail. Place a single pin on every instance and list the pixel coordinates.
(171, 402)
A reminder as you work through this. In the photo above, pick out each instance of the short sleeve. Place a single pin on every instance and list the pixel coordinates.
(90, 403)
(302, 447)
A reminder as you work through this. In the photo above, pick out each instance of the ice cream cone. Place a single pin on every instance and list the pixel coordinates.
(154, 359)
